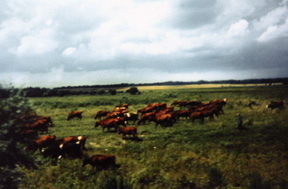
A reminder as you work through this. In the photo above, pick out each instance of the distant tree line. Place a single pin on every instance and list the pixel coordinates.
(112, 89)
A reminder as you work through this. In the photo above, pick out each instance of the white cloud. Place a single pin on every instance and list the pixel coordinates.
(238, 29)
(69, 51)
(274, 32)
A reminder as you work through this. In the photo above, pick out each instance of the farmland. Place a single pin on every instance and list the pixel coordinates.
(188, 155)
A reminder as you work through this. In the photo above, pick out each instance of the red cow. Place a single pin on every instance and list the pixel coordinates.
(146, 117)
(114, 115)
(146, 110)
(110, 122)
(101, 113)
(196, 115)
(74, 114)
(123, 105)
(100, 161)
(128, 131)
(41, 142)
(165, 120)
(182, 113)
(39, 125)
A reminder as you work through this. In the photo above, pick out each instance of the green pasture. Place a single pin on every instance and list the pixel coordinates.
(213, 154)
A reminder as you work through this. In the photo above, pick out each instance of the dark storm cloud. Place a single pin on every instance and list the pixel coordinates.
(54, 43)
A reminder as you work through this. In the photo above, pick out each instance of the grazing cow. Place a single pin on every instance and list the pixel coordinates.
(39, 125)
(275, 104)
(196, 115)
(131, 117)
(221, 102)
(101, 114)
(57, 150)
(114, 115)
(128, 131)
(123, 105)
(74, 114)
(41, 142)
(73, 139)
(146, 117)
(146, 110)
(165, 120)
(182, 113)
(100, 161)
(110, 123)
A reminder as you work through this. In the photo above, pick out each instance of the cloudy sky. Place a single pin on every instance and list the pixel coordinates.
(50, 43)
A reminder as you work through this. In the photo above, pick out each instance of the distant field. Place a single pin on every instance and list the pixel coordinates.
(213, 154)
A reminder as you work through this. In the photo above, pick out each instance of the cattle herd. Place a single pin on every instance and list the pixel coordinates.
(118, 119)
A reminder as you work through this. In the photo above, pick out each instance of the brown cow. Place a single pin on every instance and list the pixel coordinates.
(123, 105)
(100, 161)
(182, 113)
(146, 117)
(146, 110)
(41, 142)
(110, 122)
(165, 120)
(101, 114)
(275, 104)
(74, 114)
(196, 115)
(128, 131)
(73, 139)
(114, 115)
(39, 125)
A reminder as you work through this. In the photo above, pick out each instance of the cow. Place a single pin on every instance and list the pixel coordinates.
(101, 161)
(114, 115)
(74, 114)
(146, 110)
(128, 131)
(123, 106)
(41, 142)
(131, 117)
(110, 122)
(196, 115)
(39, 125)
(101, 113)
(165, 120)
(275, 104)
(146, 117)
(73, 139)
(56, 150)
(221, 102)
(182, 113)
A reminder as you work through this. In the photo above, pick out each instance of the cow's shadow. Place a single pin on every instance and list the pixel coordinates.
(136, 139)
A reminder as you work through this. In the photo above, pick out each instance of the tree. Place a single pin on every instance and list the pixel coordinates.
(112, 91)
(11, 144)
(133, 90)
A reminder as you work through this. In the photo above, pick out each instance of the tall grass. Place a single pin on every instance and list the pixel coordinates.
(188, 155)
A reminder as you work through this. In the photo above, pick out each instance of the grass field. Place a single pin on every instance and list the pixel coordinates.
(213, 154)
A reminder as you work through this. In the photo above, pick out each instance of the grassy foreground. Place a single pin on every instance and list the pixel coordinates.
(213, 154)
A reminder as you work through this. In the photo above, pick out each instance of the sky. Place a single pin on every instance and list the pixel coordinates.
(53, 43)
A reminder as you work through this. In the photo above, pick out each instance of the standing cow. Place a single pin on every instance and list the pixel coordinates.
(74, 114)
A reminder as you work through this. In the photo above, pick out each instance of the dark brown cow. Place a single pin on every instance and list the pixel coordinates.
(131, 117)
(128, 131)
(123, 105)
(73, 139)
(165, 120)
(196, 115)
(146, 117)
(182, 113)
(39, 125)
(74, 114)
(100, 161)
(101, 113)
(110, 123)
(41, 142)
(275, 104)
(146, 110)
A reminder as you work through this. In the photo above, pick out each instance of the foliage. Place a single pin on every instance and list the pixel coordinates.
(11, 145)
